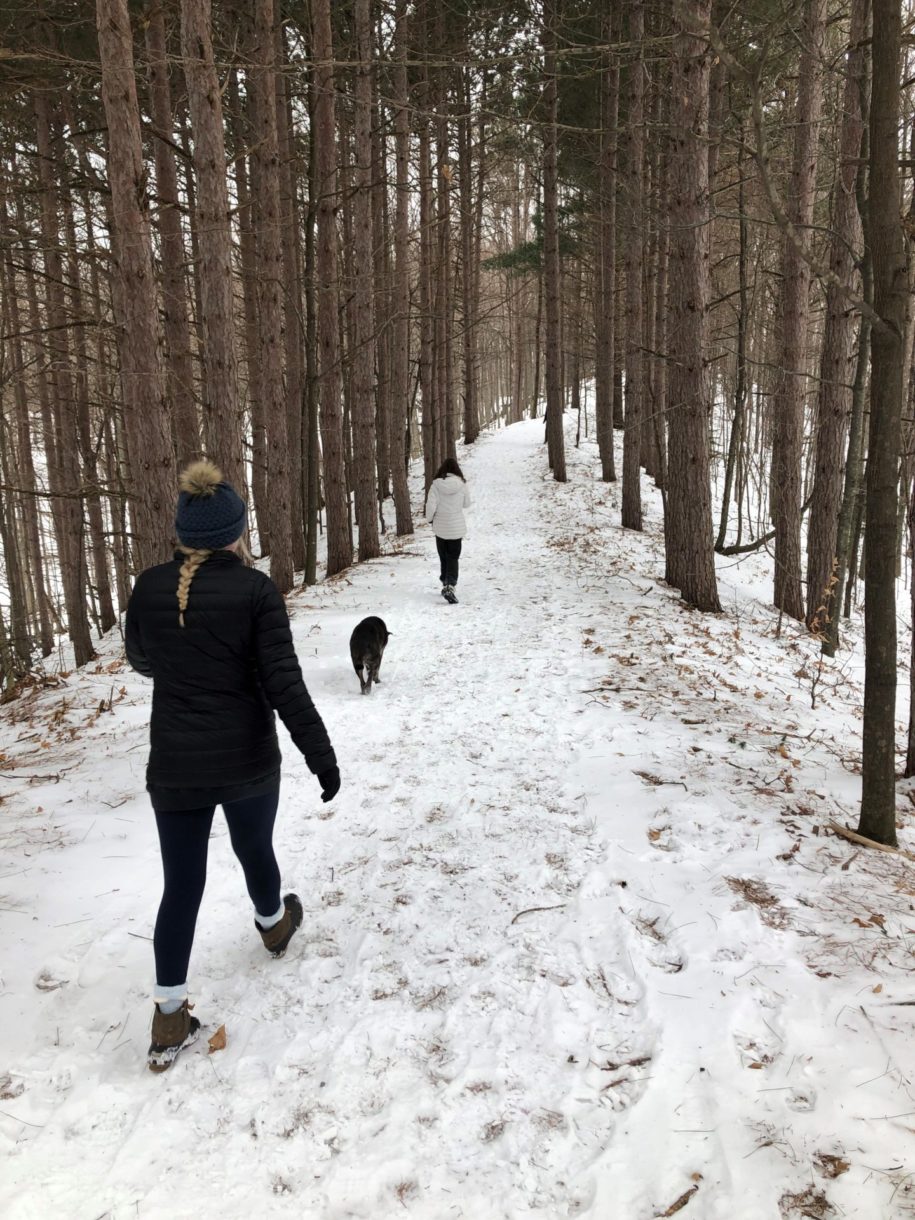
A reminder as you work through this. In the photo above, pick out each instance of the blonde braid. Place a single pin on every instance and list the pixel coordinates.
(194, 558)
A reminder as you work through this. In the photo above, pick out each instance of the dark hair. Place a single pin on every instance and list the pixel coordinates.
(450, 466)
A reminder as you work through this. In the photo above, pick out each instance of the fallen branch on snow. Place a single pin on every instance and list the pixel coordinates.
(854, 837)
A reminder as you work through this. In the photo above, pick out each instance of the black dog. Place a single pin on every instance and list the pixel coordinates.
(366, 647)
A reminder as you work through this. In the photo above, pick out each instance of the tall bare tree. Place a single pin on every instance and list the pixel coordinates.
(150, 451)
(605, 271)
(552, 265)
(794, 310)
(175, 310)
(339, 550)
(221, 420)
(635, 363)
(837, 356)
(688, 517)
(363, 302)
(884, 234)
(400, 371)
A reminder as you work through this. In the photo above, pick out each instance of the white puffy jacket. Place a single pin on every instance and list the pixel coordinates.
(445, 504)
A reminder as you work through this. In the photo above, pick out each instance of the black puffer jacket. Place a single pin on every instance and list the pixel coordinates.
(217, 681)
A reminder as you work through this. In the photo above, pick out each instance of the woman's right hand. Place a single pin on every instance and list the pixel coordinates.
(330, 783)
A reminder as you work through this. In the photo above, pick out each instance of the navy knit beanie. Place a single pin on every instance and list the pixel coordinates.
(210, 512)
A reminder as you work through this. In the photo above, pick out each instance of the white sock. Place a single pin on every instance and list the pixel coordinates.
(170, 999)
(270, 921)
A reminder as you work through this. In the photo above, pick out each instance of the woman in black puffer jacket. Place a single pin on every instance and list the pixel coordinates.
(214, 636)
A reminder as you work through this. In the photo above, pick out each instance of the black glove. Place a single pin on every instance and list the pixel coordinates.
(330, 783)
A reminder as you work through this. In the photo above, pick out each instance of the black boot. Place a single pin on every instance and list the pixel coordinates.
(277, 938)
(171, 1033)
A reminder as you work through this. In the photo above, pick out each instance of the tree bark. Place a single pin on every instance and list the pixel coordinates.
(688, 518)
(176, 313)
(292, 299)
(836, 361)
(632, 428)
(364, 455)
(339, 549)
(152, 459)
(270, 298)
(791, 375)
(242, 126)
(221, 422)
(552, 266)
(25, 458)
(62, 452)
(887, 243)
(605, 296)
(400, 369)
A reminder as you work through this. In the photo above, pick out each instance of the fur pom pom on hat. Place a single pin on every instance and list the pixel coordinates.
(200, 478)
(210, 512)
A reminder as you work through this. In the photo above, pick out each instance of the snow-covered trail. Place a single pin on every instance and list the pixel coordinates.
(530, 980)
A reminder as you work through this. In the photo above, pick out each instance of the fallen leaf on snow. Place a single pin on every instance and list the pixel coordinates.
(831, 1166)
(218, 1041)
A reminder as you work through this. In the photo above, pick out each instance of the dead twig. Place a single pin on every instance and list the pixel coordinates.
(530, 910)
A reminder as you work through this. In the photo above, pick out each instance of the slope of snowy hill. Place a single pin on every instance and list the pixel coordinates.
(578, 940)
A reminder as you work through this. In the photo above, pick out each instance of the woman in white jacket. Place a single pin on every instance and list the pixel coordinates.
(448, 497)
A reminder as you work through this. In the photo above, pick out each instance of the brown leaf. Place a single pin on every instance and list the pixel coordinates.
(878, 989)
(218, 1040)
(756, 1065)
(831, 1166)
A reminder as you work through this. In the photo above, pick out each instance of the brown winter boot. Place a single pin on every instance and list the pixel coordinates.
(171, 1033)
(277, 938)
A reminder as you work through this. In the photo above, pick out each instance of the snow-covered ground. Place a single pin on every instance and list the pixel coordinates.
(577, 939)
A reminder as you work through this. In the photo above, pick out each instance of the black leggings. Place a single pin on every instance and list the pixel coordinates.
(449, 552)
(184, 838)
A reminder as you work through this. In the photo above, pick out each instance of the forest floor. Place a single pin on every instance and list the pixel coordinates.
(578, 940)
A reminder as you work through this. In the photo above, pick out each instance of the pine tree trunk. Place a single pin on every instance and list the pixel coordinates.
(25, 459)
(292, 299)
(887, 244)
(83, 430)
(688, 517)
(443, 412)
(221, 423)
(632, 430)
(242, 126)
(552, 265)
(270, 301)
(791, 380)
(468, 215)
(152, 459)
(834, 398)
(339, 549)
(364, 455)
(382, 289)
(605, 296)
(740, 391)
(19, 641)
(400, 368)
(176, 313)
(426, 331)
(60, 429)
(311, 494)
